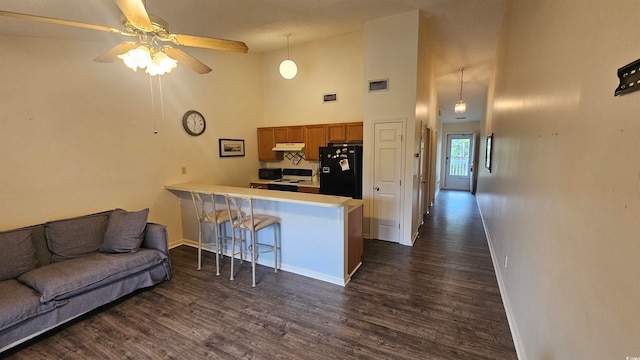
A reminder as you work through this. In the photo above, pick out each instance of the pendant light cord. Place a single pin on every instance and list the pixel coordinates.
(461, 81)
(288, 56)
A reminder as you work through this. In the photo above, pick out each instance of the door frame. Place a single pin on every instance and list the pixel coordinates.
(371, 177)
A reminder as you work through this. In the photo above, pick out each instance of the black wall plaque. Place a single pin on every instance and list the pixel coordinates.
(629, 76)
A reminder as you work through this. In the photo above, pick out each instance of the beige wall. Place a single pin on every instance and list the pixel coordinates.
(563, 201)
(77, 136)
(391, 52)
(333, 65)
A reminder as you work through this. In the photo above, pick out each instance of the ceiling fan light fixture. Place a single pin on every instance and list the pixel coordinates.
(288, 68)
(161, 64)
(461, 106)
(139, 57)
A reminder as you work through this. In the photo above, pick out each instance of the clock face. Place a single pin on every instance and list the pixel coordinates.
(193, 123)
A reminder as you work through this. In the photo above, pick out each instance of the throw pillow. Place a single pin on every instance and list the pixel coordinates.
(71, 238)
(18, 254)
(125, 231)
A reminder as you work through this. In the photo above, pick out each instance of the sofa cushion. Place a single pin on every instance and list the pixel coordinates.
(64, 279)
(125, 231)
(17, 255)
(71, 238)
(19, 303)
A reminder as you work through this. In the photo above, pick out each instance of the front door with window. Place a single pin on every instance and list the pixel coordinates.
(458, 170)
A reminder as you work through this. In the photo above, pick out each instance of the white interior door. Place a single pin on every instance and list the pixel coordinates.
(387, 175)
(458, 164)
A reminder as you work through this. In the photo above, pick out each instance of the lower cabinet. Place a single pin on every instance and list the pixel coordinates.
(355, 245)
(309, 190)
(258, 186)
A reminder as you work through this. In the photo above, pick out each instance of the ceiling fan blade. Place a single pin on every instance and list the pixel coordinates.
(209, 43)
(136, 13)
(60, 22)
(112, 54)
(184, 58)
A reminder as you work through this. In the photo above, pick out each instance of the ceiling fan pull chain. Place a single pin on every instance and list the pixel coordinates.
(153, 106)
(161, 97)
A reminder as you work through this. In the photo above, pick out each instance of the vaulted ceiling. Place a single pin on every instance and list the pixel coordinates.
(466, 30)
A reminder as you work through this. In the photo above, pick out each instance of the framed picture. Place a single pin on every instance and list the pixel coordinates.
(231, 147)
(487, 160)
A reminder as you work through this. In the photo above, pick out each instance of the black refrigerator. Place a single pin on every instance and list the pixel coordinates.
(341, 171)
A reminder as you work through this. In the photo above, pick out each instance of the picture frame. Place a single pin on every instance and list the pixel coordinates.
(488, 152)
(231, 147)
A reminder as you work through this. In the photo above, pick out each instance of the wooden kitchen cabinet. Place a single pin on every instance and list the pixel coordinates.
(344, 132)
(353, 132)
(281, 134)
(289, 134)
(314, 138)
(335, 133)
(266, 142)
(308, 189)
(296, 134)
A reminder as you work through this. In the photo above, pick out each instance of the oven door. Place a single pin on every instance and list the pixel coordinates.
(282, 187)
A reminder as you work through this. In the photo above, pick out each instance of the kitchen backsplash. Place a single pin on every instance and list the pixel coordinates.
(286, 163)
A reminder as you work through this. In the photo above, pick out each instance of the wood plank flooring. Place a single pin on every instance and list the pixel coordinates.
(436, 300)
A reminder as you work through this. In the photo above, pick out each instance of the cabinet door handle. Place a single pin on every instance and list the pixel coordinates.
(377, 188)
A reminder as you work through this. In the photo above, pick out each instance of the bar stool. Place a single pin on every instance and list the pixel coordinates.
(240, 209)
(216, 217)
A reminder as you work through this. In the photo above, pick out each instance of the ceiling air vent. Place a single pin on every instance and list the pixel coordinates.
(378, 85)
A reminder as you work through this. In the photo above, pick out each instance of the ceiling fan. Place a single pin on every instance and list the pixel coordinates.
(153, 37)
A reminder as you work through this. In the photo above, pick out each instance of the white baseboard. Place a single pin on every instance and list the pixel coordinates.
(293, 269)
(515, 334)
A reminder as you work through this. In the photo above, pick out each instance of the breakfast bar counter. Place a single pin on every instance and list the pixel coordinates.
(316, 237)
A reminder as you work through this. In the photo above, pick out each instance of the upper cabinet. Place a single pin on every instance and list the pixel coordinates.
(289, 134)
(266, 142)
(335, 132)
(345, 132)
(353, 132)
(313, 136)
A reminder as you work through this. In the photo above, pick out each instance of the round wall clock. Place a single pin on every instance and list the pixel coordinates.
(193, 123)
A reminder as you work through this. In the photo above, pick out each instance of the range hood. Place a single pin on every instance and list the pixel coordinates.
(294, 147)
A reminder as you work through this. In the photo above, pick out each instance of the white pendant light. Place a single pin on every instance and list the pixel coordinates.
(288, 68)
(461, 106)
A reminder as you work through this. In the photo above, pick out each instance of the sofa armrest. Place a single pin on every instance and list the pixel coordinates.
(155, 237)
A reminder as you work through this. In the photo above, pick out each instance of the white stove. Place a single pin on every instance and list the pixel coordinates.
(290, 179)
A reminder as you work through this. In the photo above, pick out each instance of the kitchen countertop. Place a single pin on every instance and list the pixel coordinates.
(262, 194)
(355, 203)
(315, 184)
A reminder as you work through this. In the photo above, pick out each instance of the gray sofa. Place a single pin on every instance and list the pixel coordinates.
(54, 272)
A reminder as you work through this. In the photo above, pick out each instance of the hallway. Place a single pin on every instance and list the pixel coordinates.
(449, 275)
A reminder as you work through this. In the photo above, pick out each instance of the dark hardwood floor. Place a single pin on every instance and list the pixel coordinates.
(436, 300)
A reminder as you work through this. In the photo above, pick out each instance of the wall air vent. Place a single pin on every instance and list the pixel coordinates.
(330, 97)
(379, 85)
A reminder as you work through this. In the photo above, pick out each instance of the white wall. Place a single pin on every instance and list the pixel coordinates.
(563, 200)
(77, 136)
(391, 52)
